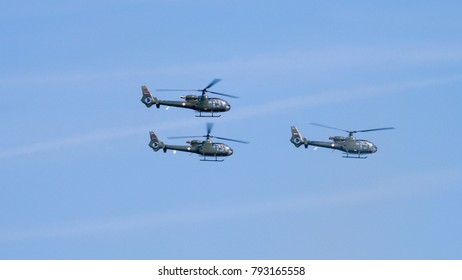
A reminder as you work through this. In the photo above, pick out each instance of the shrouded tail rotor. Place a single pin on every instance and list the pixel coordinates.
(148, 99)
(297, 138)
(155, 143)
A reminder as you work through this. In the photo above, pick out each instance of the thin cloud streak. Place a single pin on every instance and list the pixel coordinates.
(89, 138)
(421, 184)
(239, 114)
(316, 61)
(311, 61)
(359, 93)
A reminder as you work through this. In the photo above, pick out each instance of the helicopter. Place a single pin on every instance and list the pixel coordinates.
(201, 103)
(208, 149)
(349, 145)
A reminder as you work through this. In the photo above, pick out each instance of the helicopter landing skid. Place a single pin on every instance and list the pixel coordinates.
(357, 157)
(207, 116)
(215, 160)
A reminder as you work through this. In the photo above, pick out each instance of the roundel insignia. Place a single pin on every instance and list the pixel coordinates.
(148, 100)
(156, 144)
(297, 140)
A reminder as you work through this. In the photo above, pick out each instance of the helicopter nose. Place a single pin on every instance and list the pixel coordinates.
(230, 152)
(374, 149)
(227, 107)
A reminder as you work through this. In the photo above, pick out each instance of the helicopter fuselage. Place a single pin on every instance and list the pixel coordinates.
(200, 103)
(194, 102)
(349, 145)
(204, 148)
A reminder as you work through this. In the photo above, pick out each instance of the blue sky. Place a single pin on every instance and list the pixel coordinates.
(78, 180)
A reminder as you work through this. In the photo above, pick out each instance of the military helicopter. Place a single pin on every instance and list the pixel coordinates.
(202, 103)
(205, 148)
(348, 145)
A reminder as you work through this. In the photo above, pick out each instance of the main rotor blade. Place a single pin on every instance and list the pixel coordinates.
(374, 129)
(212, 83)
(180, 137)
(209, 128)
(177, 90)
(228, 139)
(329, 127)
(224, 94)
(203, 90)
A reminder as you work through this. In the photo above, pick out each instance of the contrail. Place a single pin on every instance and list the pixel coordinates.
(274, 106)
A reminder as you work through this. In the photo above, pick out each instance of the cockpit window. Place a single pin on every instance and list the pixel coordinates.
(215, 102)
(363, 144)
(219, 147)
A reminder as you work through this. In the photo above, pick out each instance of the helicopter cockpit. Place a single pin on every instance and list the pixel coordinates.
(366, 146)
(223, 149)
(217, 103)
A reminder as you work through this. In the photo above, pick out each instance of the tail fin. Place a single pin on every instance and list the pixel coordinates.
(155, 143)
(148, 99)
(297, 138)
